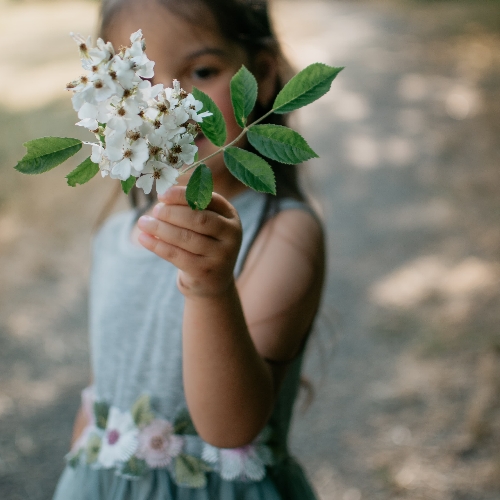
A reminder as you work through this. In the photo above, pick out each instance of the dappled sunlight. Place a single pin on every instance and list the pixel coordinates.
(362, 151)
(31, 31)
(331, 486)
(400, 151)
(413, 87)
(418, 280)
(35, 87)
(329, 32)
(462, 102)
(435, 213)
(408, 185)
(347, 105)
(412, 121)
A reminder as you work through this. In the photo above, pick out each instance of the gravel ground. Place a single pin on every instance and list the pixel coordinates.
(406, 403)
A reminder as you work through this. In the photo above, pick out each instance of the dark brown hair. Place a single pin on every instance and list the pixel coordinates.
(246, 23)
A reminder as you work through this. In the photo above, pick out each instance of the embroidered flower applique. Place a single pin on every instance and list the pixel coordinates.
(136, 441)
(245, 463)
(119, 442)
(158, 444)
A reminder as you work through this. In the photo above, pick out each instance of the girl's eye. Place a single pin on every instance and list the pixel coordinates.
(204, 72)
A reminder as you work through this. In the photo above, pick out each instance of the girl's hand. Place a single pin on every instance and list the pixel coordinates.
(203, 245)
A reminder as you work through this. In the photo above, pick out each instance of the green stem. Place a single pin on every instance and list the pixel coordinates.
(220, 150)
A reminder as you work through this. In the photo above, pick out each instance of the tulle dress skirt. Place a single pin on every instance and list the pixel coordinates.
(285, 481)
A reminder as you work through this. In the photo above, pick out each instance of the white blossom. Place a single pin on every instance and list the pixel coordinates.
(119, 442)
(129, 156)
(103, 53)
(165, 176)
(84, 46)
(98, 156)
(91, 115)
(184, 150)
(135, 53)
(143, 130)
(125, 116)
(150, 92)
(192, 106)
(124, 72)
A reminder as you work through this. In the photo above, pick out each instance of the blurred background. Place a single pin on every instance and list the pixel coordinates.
(408, 405)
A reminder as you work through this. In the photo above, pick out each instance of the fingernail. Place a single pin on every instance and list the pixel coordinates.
(145, 219)
(157, 208)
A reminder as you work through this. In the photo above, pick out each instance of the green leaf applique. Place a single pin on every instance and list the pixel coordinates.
(101, 411)
(306, 87)
(280, 143)
(46, 153)
(244, 92)
(83, 173)
(74, 459)
(93, 448)
(141, 411)
(199, 188)
(184, 425)
(250, 169)
(213, 127)
(190, 471)
(134, 468)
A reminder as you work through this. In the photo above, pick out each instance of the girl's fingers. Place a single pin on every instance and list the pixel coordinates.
(202, 222)
(176, 195)
(181, 237)
(180, 258)
(219, 220)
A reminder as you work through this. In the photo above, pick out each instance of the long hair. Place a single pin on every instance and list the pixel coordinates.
(243, 22)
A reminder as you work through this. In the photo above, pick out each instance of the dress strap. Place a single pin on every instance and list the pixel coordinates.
(269, 207)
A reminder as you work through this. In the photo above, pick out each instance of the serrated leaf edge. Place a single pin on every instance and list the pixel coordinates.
(279, 110)
(310, 151)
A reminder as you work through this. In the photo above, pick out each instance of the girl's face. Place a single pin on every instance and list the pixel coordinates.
(196, 56)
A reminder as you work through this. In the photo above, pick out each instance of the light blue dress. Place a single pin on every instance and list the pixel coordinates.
(141, 443)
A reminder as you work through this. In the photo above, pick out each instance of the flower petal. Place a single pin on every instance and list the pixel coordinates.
(145, 182)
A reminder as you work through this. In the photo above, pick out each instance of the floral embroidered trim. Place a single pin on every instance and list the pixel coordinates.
(133, 442)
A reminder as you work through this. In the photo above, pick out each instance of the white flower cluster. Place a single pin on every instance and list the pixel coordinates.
(144, 131)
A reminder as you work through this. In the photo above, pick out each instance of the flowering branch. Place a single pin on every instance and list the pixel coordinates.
(145, 134)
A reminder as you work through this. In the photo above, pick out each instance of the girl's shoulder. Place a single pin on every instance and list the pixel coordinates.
(251, 204)
(266, 218)
(295, 226)
(282, 279)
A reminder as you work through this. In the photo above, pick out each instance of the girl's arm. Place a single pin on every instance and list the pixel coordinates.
(237, 338)
(81, 422)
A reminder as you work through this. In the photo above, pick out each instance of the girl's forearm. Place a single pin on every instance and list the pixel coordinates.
(229, 387)
(80, 424)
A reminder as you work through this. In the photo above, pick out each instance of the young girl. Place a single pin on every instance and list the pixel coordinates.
(199, 319)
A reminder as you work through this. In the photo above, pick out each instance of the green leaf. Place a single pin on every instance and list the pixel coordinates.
(46, 153)
(135, 468)
(141, 411)
(92, 448)
(128, 184)
(190, 471)
(304, 88)
(280, 143)
(74, 459)
(199, 188)
(184, 425)
(101, 410)
(244, 91)
(214, 127)
(250, 169)
(83, 173)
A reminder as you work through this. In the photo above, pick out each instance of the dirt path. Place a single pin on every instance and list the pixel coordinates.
(409, 185)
